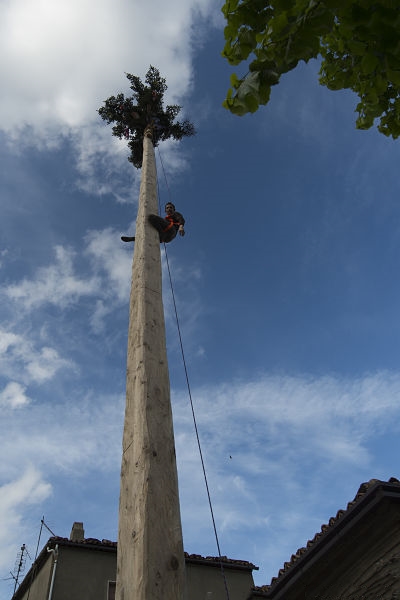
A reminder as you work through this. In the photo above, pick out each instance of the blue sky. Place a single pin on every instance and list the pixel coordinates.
(286, 283)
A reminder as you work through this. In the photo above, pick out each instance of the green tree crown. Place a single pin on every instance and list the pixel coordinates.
(357, 40)
(143, 109)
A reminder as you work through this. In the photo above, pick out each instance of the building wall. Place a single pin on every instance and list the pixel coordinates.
(205, 582)
(83, 574)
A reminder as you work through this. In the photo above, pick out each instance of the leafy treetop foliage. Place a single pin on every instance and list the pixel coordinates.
(359, 42)
(132, 115)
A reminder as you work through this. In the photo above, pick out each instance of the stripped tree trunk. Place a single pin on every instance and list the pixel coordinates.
(150, 559)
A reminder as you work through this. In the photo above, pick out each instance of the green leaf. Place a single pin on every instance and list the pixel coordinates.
(235, 81)
(281, 5)
(364, 122)
(230, 32)
(394, 77)
(279, 23)
(249, 85)
(251, 102)
(369, 63)
(356, 47)
(229, 6)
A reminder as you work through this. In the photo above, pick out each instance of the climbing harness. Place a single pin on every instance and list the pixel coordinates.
(171, 223)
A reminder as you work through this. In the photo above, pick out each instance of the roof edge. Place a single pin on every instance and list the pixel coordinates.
(366, 495)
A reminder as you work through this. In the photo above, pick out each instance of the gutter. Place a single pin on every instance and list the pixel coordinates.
(53, 575)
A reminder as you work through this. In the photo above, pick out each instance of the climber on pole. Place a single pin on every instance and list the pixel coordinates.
(167, 227)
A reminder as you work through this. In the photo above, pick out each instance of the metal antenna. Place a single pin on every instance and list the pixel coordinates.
(19, 567)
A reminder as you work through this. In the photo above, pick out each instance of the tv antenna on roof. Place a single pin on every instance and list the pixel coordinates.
(20, 562)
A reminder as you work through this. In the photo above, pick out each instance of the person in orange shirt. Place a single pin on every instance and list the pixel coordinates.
(167, 227)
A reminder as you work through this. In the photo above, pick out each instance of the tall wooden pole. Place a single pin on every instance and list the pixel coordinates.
(150, 559)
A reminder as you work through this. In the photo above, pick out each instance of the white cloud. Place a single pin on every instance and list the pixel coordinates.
(21, 359)
(112, 262)
(100, 158)
(82, 433)
(56, 284)
(45, 365)
(8, 339)
(335, 415)
(3, 253)
(13, 395)
(28, 488)
(60, 61)
(109, 256)
(63, 285)
(15, 496)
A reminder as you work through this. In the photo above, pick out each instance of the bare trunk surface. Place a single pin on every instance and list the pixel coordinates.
(150, 559)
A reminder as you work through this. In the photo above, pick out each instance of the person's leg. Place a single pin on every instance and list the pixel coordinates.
(158, 222)
(165, 232)
(168, 236)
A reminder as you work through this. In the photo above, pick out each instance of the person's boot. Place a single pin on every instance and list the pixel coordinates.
(126, 238)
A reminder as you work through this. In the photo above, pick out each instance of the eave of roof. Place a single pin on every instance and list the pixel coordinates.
(107, 545)
(216, 561)
(368, 494)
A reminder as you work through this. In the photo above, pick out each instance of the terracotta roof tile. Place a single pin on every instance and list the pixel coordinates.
(84, 542)
(220, 559)
(190, 557)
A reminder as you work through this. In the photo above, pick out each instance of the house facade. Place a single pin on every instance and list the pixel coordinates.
(82, 568)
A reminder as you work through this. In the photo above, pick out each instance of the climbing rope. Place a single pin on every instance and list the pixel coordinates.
(190, 395)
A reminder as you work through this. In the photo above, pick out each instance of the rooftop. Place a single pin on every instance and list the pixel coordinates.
(365, 496)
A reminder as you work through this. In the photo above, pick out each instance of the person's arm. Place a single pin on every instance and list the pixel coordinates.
(179, 219)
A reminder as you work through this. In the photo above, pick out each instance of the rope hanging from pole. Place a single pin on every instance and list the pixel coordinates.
(191, 399)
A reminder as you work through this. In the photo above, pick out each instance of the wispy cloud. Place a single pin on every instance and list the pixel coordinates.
(104, 277)
(109, 258)
(56, 284)
(336, 415)
(54, 88)
(27, 489)
(78, 438)
(3, 253)
(101, 159)
(272, 447)
(21, 358)
(45, 365)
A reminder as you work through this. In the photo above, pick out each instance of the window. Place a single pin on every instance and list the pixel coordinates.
(111, 590)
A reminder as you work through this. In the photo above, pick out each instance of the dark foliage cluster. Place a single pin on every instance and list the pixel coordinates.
(144, 108)
(357, 40)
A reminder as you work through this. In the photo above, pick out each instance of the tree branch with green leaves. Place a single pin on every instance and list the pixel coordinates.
(358, 42)
(144, 109)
